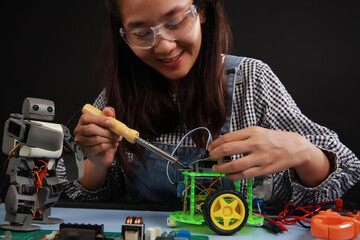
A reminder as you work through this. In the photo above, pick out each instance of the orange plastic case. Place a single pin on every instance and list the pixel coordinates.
(331, 225)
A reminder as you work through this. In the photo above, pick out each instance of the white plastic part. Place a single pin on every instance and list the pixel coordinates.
(34, 152)
(171, 222)
(152, 232)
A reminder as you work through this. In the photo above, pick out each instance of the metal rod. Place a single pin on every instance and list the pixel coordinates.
(157, 150)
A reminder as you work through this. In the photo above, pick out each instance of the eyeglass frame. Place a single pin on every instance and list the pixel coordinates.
(157, 29)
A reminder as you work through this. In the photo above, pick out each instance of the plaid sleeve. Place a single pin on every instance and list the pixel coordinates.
(262, 100)
(114, 187)
(100, 101)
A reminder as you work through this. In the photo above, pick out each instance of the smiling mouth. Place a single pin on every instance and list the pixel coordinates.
(171, 59)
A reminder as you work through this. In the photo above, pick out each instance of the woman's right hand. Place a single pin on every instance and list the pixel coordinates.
(98, 143)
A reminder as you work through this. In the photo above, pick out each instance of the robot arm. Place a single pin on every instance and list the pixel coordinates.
(32, 134)
(73, 157)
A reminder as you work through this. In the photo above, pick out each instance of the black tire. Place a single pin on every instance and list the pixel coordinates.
(228, 203)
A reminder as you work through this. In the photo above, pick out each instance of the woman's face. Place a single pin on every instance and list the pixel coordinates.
(171, 58)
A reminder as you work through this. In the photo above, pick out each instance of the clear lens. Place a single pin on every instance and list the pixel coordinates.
(140, 38)
(173, 29)
(177, 28)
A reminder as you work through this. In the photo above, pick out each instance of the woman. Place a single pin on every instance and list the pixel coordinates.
(168, 75)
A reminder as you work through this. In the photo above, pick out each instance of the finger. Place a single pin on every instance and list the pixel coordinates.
(94, 150)
(95, 140)
(102, 121)
(90, 130)
(109, 112)
(235, 166)
(247, 173)
(230, 137)
(229, 148)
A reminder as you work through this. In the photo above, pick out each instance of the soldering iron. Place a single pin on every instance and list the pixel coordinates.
(129, 134)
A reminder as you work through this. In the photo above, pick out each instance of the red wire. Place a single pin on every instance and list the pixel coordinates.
(41, 174)
(42, 162)
(308, 211)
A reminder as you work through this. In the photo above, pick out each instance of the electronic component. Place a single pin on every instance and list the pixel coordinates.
(133, 229)
(171, 222)
(175, 235)
(152, 233)
(183, 234)
(81, 231)
(205, 165)
(28, 189)
(180, 189)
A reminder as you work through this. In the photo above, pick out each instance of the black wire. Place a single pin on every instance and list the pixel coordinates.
(304, 225)
(314, 211)
(296, 206)
(73, 117)
(290, 213)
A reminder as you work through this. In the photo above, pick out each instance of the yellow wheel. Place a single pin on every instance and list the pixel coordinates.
(225, 211)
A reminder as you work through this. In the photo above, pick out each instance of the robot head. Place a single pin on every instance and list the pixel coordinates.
(38, 109)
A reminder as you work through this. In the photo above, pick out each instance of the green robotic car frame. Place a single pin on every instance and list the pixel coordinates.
(225, 211)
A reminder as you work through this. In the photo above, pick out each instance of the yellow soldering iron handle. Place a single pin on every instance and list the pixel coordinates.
(118, 127)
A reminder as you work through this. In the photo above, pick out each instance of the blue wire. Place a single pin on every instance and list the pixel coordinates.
(191, 132)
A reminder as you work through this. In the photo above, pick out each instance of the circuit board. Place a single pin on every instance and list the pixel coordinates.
(41, 234)
(38, 235)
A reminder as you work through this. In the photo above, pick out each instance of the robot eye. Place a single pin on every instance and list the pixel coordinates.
(49, 109)
(35, 107)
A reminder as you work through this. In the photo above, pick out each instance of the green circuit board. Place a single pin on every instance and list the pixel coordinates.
(42, 233)
(38, 235)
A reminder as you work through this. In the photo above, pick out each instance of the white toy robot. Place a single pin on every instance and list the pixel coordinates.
(34, 145)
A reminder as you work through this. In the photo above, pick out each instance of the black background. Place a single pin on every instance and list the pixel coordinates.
(48, 49)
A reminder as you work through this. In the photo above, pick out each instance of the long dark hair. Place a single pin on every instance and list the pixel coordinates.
(140, 95)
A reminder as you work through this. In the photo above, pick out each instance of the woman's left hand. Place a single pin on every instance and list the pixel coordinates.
(268, 151)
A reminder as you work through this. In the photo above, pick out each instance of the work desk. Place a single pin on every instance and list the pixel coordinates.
(113, 219)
